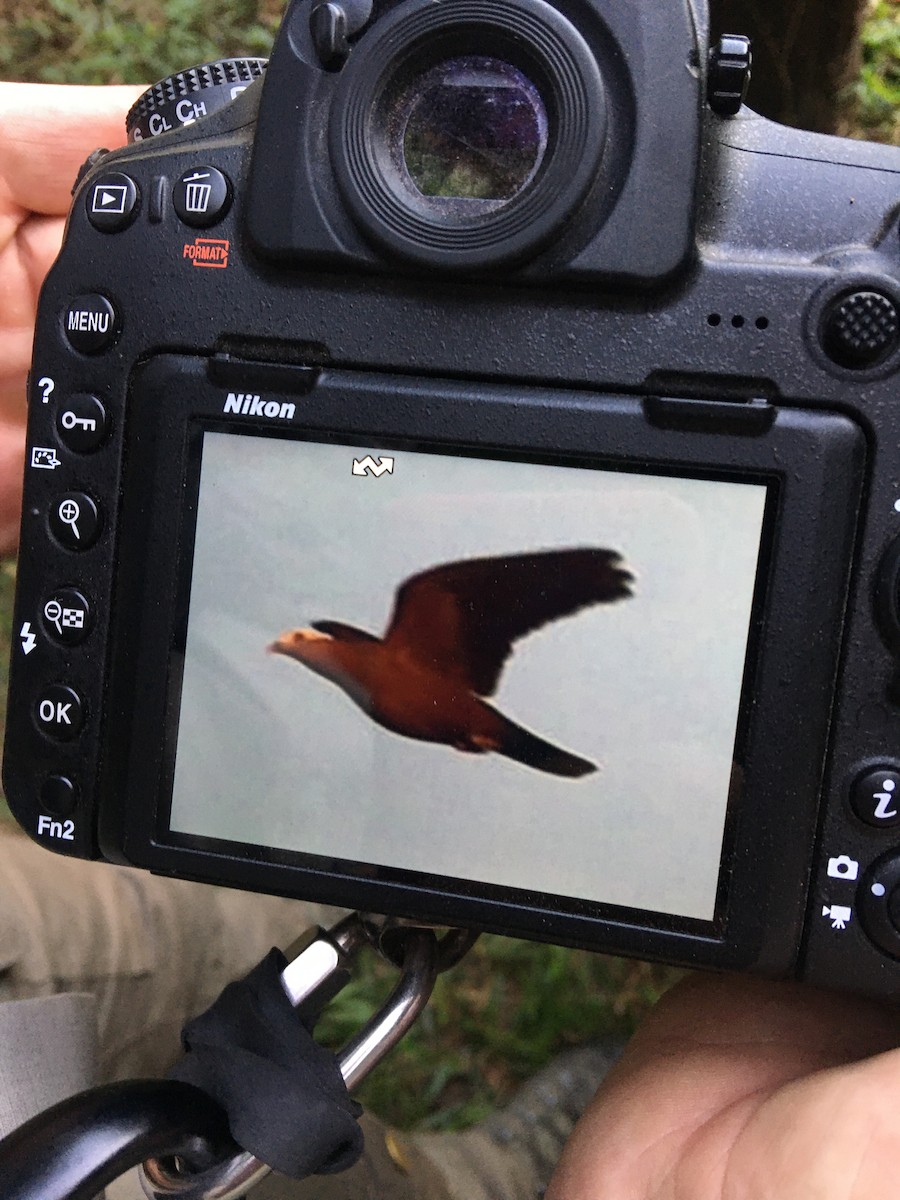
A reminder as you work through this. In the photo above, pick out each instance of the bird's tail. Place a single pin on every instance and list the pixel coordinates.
(528, 748)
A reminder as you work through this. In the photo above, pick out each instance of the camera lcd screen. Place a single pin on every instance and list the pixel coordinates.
(510, 673)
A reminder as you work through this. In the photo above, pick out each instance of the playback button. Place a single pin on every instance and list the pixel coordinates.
(112, 202)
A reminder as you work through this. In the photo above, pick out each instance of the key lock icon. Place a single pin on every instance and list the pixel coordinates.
(70, 420)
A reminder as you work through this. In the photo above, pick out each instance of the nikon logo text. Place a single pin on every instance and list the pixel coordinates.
(254, 406)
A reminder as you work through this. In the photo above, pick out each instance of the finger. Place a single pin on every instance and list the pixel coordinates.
(831, 1136)
(46, 132)
(714, 1051)
(12, 448)
(23, 264)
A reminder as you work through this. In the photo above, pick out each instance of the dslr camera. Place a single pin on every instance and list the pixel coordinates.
(463, 482)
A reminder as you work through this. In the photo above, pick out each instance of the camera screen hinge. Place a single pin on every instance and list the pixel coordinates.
(231, 371)
(749, 417)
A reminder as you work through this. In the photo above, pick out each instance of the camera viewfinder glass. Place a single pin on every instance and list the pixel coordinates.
(471, 129)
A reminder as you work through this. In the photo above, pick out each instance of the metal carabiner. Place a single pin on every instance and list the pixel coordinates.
(315, 975)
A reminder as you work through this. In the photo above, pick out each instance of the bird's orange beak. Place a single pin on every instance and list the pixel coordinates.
(288, 642)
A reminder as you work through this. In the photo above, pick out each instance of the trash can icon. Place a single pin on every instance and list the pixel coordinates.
(197, 194)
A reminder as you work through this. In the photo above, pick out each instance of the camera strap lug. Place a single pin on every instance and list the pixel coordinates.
(317, 971)
(332, 24)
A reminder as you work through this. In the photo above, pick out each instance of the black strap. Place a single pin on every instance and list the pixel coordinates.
(286, 1100)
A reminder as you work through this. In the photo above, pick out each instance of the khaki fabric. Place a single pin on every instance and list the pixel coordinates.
(48, 1051)
(152, 952)
(100, 967)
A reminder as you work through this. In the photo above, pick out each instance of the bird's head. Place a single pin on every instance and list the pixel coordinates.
(301, 644)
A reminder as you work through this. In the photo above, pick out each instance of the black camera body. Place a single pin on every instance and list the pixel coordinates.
(564, 408)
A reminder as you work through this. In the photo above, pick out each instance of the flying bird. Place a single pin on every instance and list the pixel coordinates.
(452, 629)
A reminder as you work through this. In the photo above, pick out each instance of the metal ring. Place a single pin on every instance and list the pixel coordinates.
(232, 1179)
(389, 935)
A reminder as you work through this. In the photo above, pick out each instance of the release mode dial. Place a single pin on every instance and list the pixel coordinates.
(187, 97)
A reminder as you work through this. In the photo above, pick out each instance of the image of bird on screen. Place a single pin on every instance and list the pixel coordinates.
(452, 629)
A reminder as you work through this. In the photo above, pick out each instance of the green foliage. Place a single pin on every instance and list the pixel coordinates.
(126, 41)
(491, 1023)
(875, 100)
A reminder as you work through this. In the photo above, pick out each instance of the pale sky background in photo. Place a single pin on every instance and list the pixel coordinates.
(647, 688)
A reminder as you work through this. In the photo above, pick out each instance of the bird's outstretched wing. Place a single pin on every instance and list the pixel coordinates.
(463, 617)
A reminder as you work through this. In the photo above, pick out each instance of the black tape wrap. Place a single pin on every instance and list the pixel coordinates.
(286, 1100)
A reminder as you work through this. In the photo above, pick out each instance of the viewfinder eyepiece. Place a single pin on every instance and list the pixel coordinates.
(471, 130)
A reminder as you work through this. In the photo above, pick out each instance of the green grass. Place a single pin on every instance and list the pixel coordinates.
(874, 102)
(130, 41)
(492, 1021)
(127, 41)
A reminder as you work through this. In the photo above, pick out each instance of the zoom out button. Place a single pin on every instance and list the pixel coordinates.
(67, 616)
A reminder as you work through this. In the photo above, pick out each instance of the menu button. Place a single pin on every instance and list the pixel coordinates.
(91, 323)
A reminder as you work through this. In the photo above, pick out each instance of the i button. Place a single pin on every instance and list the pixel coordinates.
(875, 797)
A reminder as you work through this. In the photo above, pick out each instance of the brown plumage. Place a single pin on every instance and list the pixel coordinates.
(452, 629)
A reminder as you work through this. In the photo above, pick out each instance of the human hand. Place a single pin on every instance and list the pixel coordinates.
(741, 1089)
(46, 132)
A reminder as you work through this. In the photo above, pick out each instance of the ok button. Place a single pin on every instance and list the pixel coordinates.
(59, 712)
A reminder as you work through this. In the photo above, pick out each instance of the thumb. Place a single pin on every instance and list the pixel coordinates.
(46, 132)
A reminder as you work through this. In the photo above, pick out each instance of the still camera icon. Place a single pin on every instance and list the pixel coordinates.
(843, 867)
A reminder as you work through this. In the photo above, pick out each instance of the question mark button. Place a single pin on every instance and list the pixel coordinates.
(45, 387)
